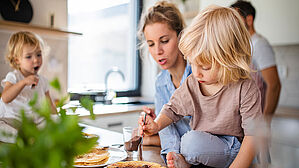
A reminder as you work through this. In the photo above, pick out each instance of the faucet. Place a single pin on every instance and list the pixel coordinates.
(108, 99)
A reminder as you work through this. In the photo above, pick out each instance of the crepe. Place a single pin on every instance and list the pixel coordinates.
(135, 164)
(96, 156)
(87, 135)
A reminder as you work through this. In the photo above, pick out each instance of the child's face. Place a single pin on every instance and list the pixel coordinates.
(204, 74)
(30, 61)
(163, 44)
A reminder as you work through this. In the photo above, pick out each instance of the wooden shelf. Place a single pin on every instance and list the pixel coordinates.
(17, 26)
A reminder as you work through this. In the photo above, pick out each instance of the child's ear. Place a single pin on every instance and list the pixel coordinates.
(16, 60)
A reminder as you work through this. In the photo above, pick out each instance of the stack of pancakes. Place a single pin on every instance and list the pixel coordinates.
(96, 156)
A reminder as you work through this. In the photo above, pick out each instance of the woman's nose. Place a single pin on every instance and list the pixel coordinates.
(159, 50)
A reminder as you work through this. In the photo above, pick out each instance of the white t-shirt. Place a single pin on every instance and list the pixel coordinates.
(262, 52)
(262, 58)
(11, 111)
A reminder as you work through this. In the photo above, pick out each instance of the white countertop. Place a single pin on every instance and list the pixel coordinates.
(102, 109)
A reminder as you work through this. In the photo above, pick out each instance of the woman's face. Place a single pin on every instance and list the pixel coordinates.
(163, 44)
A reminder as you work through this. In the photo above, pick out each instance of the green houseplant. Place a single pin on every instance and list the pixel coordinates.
(54, 145)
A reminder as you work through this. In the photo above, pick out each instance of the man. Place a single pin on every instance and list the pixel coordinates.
(263, 61)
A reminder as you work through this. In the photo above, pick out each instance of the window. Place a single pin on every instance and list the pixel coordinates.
(109, 42)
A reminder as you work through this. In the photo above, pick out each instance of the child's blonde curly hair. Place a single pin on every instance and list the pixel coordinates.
(16, 43)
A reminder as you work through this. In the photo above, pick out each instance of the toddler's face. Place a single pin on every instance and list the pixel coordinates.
(30, 61)
(204, 74)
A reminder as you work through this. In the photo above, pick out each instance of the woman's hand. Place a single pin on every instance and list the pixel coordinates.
(149, 111)
(147, 126)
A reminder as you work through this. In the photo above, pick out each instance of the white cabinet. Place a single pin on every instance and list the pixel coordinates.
(114, 122)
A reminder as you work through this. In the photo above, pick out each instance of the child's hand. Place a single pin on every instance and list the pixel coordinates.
(31, 80)
(147, 127)
(149, 111)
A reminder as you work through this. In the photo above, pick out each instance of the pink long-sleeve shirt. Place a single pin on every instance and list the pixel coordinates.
(233, 110)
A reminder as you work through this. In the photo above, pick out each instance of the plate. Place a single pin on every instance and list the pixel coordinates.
(116, 155)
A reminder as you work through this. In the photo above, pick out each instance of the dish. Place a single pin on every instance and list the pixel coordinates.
(135, 164)
(116, 155)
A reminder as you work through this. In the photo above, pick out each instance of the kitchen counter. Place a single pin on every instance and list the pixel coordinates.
(111, 117)
(104, 110)
(109, 138)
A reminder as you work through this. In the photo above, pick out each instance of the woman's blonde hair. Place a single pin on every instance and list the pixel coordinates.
(161, 12)
(217, 36)
(16, 43)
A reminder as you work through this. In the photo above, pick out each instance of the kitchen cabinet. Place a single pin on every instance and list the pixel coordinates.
(112, 117)
(114, 122)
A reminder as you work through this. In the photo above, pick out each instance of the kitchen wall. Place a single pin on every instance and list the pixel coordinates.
(287, 59)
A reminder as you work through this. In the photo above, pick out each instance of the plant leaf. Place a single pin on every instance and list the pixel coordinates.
(87, 103)
(56, 84)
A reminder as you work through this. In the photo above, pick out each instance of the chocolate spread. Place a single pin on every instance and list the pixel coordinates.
(132, 145)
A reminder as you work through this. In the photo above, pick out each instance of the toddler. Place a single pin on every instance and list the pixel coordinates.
(24, 54)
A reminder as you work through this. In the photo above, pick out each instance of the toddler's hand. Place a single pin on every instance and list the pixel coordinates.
(149, 111)
(31, 80)
(149, 127)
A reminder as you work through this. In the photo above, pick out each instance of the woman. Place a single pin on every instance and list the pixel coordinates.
(159, 28)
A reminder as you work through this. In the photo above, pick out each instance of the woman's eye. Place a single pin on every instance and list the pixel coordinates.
(28, 57)
(39, 55)
(165, 41)
(150, 44)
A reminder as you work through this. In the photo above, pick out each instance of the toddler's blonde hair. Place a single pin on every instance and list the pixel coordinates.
(218, 37)
(16, 43)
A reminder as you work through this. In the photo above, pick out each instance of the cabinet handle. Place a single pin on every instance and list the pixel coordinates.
(115, 124)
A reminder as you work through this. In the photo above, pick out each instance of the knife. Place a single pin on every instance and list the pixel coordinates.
(141, 142)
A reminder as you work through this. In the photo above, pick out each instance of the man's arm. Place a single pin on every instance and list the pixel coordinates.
(271, 78)
(246, 153)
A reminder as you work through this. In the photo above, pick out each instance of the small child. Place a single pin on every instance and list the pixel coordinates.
(219, 95)
(24, 54)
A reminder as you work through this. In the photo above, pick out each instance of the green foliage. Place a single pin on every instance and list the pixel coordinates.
(87, 103)
(55, 84)
(52, 145)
